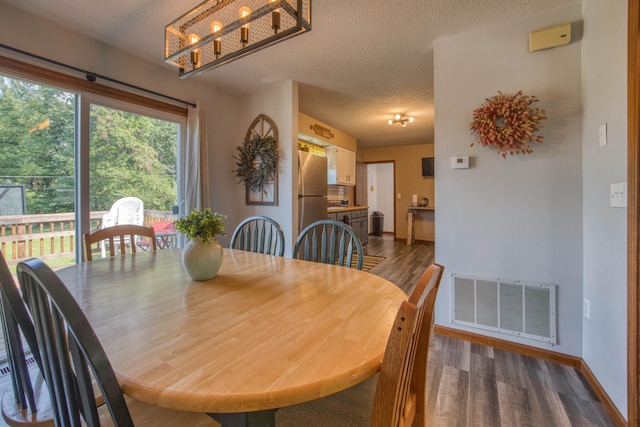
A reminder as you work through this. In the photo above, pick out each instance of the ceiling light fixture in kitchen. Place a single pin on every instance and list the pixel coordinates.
(402, 119)
(219, 31)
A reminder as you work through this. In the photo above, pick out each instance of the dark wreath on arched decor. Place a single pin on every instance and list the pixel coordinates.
(257, 162)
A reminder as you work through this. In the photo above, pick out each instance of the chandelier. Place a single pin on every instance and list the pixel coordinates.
(402, 119)
(219, 31)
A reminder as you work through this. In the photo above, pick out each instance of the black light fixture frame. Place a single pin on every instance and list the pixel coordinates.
(183, 31)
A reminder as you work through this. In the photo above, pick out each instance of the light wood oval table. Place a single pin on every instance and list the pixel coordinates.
(266, 332)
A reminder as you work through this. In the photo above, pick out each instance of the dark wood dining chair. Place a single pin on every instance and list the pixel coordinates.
(119, 235)
(74, 360)
(330, 242)
(258, 234)
(29, 402)
(398, 399)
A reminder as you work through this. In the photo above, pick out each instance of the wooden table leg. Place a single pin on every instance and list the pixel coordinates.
(409, 228)
(266, 418)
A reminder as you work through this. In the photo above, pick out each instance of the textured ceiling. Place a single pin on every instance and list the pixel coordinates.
(363, 61)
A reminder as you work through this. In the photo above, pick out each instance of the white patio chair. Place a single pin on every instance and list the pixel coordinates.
(128, 210)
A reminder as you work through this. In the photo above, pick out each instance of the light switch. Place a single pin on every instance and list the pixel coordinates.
(602, 132)
(619, 195)
(586, 308)
(399, 196)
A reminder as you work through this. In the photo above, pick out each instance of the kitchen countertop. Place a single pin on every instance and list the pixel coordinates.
(335, 209)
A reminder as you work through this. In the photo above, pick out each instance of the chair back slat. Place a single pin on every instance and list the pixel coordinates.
(119, 235)
(338, 244)
(401, 391)
(327, 248)
(20, 377)
(15, 318)
(259, 234)
(71, 353)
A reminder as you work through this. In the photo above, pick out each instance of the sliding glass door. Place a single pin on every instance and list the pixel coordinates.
(66, 158)
(133, 166)
(37, 172)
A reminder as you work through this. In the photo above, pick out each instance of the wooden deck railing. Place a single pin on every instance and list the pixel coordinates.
(50, 236)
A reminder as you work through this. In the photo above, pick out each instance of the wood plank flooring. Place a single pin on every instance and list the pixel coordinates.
(470, 384)
(474, 385)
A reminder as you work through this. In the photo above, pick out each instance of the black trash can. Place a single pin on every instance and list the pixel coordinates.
(377, 220)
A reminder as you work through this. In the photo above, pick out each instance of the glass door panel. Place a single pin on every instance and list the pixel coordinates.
(37, 161)
(133, 171)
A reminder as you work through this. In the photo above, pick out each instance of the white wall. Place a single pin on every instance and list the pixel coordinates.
(604, 89)
(520, 217)
(45, 38)
(372, 193)
(279, 102)
(381, 178)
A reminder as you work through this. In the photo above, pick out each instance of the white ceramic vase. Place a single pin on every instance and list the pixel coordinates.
(202, 260)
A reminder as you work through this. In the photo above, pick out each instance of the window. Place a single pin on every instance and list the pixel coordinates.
(73, 154)
(37, 155)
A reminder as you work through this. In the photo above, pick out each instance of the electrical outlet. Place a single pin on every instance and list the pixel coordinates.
(619, 195)
(586, 308)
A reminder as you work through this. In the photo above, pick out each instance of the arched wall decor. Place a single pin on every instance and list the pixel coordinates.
(264, 129)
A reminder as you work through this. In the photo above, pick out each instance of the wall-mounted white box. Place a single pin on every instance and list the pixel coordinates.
(550, 37)
(619, 195)
(459, 162)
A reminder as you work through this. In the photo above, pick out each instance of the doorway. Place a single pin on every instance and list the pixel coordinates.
(381, 186)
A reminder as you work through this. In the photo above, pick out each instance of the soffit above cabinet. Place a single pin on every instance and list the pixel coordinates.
(316, 132)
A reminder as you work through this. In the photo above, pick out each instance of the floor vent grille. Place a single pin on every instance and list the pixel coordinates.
(5, 369)
(514, 307)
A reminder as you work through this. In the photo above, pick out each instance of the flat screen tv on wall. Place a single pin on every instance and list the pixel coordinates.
(427, 167)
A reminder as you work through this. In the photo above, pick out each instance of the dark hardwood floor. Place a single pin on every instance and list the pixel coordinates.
(474, 385)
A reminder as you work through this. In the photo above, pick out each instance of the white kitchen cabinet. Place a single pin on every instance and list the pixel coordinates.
(341, 166)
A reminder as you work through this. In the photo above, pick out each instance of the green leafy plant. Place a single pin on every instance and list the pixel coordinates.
(204, 225)
(256, 162)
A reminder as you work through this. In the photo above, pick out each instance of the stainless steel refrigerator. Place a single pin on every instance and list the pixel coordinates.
(312, 188)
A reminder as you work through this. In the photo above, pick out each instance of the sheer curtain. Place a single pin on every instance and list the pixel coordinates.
(195, 172)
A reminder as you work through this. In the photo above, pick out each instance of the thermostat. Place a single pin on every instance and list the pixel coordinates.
(459, 162)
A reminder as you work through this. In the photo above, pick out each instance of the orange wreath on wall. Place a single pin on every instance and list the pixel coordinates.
(507, 123)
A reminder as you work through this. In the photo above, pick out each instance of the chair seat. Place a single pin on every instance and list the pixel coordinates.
(13, 416)
(145, 414)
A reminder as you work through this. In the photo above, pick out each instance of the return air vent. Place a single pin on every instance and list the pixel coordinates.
(5, 369)
(510, 307)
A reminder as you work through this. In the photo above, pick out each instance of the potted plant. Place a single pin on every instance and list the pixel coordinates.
(202, 255)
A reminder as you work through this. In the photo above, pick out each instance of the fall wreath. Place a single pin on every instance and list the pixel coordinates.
(506, 123)
(256, 162)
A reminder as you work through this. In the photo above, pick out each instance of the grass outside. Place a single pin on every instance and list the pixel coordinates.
(55, 262)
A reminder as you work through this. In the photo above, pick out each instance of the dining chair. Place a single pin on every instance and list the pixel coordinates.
(330, 242)
(258, 234)
(74, 360)
(398, 398)
(119, 235)
(29, 402)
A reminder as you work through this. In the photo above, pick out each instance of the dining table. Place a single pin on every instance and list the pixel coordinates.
(264, 333)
